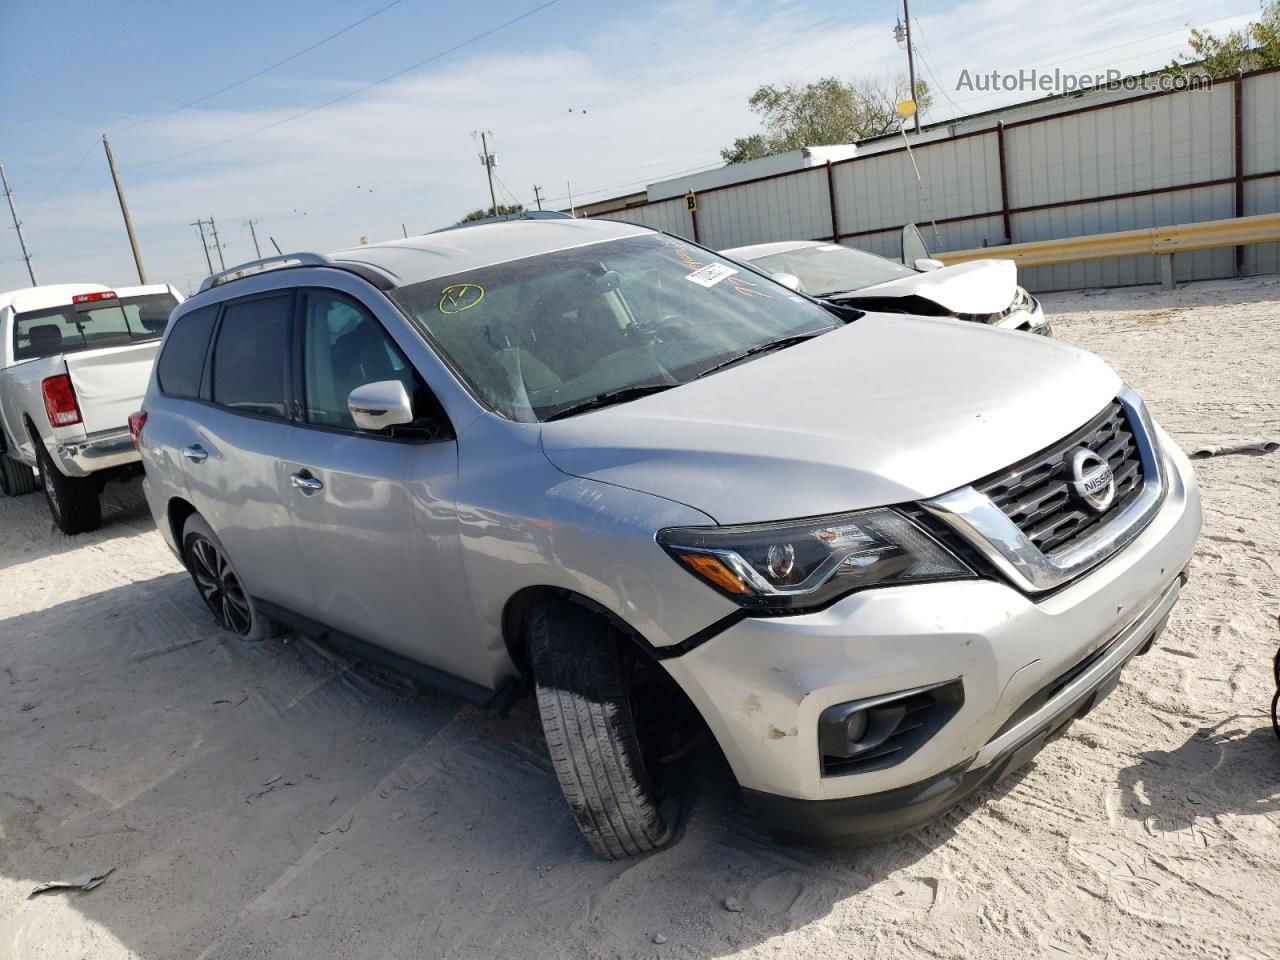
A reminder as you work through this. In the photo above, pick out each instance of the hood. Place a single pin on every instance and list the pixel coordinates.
(890, 409)
(981, 286)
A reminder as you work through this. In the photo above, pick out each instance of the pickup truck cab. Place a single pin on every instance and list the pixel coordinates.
(74, 363)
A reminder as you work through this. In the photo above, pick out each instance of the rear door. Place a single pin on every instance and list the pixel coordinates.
(231, 447)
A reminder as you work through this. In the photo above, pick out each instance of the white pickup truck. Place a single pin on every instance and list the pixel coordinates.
(74, 363)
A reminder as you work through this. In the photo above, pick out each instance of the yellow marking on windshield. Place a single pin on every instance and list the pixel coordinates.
(460, 296)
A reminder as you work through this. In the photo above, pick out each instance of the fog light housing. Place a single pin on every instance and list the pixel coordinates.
(878, 732)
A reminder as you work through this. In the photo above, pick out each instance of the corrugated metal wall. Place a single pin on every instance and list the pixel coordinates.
(1145, 161)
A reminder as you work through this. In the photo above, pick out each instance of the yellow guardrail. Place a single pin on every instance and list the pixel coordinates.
(1131, 243)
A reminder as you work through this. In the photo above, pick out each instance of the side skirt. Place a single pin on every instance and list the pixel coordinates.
(498, 700)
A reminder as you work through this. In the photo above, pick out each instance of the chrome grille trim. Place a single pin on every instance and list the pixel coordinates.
(983, 524)
(1036, 493)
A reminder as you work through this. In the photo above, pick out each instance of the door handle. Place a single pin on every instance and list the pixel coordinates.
(196, 453)
(306, 482)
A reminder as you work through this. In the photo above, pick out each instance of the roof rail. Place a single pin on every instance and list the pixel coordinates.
(263, 265)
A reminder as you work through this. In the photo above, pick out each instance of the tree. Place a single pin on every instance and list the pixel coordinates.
(1256, 47)
(502, 211)
(827, 111)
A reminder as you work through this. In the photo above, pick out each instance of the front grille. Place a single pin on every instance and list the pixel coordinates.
(1035, 494)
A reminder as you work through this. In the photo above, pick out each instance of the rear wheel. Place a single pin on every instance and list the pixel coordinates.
(74, 502)
(16, 478)
(585, 699)
(218, 584)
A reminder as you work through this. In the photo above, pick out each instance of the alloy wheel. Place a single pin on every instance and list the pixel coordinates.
(219, 586)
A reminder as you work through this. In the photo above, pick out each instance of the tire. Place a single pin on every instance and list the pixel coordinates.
(219, 585)
(16, 479)
(583, 697)
(74, 502)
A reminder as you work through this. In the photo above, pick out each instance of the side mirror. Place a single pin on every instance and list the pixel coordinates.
(913, 245)
(788, 280)
(925, 264)
(377, 406)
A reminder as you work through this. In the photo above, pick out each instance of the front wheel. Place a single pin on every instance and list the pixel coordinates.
(74, 502)
(584, 698)
(218, 584)
(16, 479)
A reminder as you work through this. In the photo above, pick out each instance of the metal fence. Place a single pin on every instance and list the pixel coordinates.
(1149, 160)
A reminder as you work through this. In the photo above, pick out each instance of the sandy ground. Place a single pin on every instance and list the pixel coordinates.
(270, 800)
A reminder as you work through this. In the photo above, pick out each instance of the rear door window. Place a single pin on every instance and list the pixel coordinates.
(251, 356)
(181, 363)
(88, 326)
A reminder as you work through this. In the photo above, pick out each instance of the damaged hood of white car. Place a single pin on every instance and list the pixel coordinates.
(890, 409)
(979, 287)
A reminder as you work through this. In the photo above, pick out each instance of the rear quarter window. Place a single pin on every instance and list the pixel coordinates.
(181, 363)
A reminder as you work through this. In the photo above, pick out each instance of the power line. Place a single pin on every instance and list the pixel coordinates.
(210, 96)
(76, 209)
(347, 96)
(254, 76)
(926, 57)
(63, 178)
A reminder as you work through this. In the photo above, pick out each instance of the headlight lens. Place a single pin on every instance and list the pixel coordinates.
(1021, 300)
(806, 563)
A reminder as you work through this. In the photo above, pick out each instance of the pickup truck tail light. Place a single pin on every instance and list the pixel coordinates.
(137, 421)
(60, 401)
(94, 297)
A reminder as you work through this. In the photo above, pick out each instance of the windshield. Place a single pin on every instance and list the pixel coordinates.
(539, 336)
(831, 268)
(88, 326)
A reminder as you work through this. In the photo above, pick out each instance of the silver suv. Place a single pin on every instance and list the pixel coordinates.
(881, 559)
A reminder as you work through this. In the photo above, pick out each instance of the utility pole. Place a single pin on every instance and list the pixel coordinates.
(17, 225)
(569, 187)
(537, 195)
(901, 31)
(204, 243)
(489, 162)
(404, 231)
(124, 210)
(253, 233)
(216, 244)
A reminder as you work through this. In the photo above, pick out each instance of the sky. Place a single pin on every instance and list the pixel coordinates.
(358, 135)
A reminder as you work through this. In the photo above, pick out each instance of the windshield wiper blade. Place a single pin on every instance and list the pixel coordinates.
(610, 397)
(755, 351)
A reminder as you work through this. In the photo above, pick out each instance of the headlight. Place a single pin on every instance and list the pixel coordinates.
(806, 563)
(1022, 300)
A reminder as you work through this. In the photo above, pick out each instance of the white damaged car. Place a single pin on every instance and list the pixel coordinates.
(982, 291)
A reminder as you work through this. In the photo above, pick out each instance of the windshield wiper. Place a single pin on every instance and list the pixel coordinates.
(755, 351)
(610, 397)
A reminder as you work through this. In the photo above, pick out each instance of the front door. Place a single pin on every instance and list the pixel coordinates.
(374, 514)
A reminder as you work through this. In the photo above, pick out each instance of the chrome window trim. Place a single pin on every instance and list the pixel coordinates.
(985, 526)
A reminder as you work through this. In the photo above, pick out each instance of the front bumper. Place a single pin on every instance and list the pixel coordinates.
(879, 816)
(762, 684)
(96, 452)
